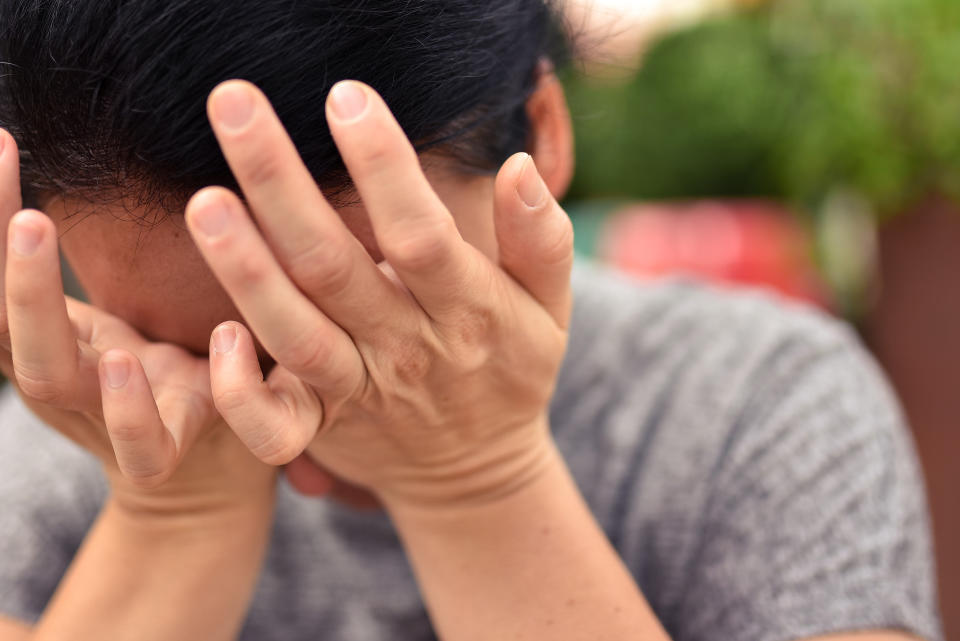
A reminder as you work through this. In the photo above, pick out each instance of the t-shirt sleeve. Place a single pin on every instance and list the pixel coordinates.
(816, 522)
(50, 493)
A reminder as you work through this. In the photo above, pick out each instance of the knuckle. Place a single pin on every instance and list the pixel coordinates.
(46, 390)
(411, 361)
(557, 247)
(381, 151)
(322, 270)
(261, 169)
(281, 454)
(125, 433)
(313, 354)
(21, 298)
(147, 478)
(423, 249)
(470, 340)
(475, 327)
(375, 155)
(251, 272)
(231, 401)
(278, 448)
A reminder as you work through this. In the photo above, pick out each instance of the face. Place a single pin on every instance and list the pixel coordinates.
(153, 277)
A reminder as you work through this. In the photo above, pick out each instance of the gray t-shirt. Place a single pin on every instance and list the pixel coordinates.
(744, 456)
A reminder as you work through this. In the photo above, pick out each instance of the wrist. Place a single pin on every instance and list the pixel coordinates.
(168, 512)
(514, 567)
(499, 478)
(168, 574)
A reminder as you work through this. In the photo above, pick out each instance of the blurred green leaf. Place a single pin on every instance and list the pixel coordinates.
(794, 100)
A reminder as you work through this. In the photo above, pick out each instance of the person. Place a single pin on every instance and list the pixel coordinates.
(507, 451)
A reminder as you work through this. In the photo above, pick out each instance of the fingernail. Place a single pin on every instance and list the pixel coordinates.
(116, 372)
(530, 187)
(224, 339)
(25, 238)
(212, 221)
(348, 100)
(233, 106)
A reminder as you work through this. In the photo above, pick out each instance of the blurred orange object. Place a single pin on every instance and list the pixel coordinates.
(751, 243)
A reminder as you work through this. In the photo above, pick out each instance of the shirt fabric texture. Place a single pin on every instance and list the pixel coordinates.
(743, 454)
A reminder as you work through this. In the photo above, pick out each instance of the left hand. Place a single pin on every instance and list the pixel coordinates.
(425, 379)
(144, 409)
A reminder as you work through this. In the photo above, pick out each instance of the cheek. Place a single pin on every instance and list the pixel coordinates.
(153, 279)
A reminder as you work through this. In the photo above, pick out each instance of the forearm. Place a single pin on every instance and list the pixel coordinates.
(533, 565)
(143, 579)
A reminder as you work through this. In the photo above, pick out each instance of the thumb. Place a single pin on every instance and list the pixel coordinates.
(535, 236)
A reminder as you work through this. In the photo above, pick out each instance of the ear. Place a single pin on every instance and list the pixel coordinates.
(551, 132)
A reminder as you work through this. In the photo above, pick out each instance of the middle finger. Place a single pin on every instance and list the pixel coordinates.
(307, 236)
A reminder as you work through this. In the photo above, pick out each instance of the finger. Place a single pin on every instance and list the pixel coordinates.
(10, 203)
(275, 419)
(186, 408)
(306, 235)
(413, 228)
(307, 477)
(49, 364)
(102, 331)
(297, 334)
(535, 237)
(146, 451)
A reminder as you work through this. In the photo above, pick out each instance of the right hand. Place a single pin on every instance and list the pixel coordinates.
(145, 410)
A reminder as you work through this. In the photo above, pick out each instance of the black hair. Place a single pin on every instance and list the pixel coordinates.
(106, 98)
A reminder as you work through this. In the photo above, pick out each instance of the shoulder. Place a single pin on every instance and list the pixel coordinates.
(678, 348)
(659, 319)
(746, 363)
(748, 459)
(666, 382)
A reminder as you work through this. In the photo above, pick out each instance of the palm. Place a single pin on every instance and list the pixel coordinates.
(180, 385)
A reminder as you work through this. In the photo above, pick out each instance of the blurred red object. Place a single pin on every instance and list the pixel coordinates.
(751, 243)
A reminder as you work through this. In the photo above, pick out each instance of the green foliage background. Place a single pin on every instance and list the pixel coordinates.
(793, 100)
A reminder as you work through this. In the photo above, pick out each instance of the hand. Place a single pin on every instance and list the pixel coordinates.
(425, 378)
(145, 410)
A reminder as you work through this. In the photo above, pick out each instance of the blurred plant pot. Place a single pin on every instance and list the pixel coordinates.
(744, 243)
(914, 329)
